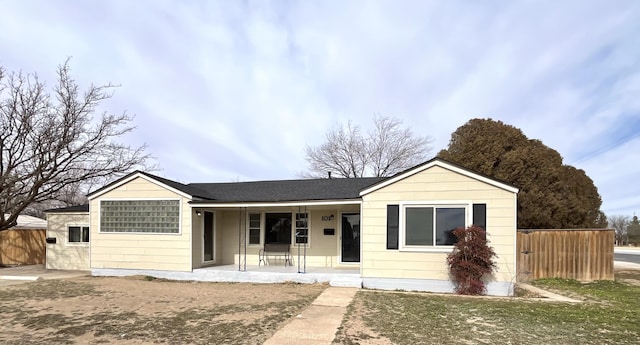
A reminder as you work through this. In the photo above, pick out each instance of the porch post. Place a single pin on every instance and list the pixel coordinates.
(295, 237)
(242, 243)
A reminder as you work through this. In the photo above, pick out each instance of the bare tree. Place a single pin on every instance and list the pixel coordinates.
(619, 223)
(70, 195)
(386, 150)
(51, 144)
(392, 149)
(343, 153)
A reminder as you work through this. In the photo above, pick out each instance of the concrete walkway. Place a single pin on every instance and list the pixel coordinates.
(548, 296)
(36, 272)
(316, 325)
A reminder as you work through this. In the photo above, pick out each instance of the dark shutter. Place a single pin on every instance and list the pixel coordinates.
(393, 222)
(480, 216)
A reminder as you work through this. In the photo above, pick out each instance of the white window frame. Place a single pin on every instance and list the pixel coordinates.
(262, 227)
(81, 243)
(180, 215)
(294, 228)
(466, 204)
(248, 227)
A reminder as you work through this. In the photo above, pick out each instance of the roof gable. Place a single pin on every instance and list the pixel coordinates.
(176, 187)
(443, 164)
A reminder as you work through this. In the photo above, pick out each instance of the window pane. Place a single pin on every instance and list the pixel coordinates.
(254, 228)
(302, 230)
(254, 236)
(277, 228)
(254, 220)
(447, 220)
(85, 234)
(419, 226)
(74, 234)
(302, 236)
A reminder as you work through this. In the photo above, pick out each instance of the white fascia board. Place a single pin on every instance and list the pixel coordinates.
(142, 176)
(442, 165)
(278, 204)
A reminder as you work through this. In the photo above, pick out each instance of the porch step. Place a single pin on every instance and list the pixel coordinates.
(346, 280)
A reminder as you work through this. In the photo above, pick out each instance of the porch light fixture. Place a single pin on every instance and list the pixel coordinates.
(198, 213)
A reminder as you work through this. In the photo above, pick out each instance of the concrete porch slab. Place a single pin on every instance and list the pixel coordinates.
(253, 274)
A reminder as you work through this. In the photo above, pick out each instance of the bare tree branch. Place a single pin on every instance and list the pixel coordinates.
(52, 145)
(392, 149)
(386, 150)
(619, 223)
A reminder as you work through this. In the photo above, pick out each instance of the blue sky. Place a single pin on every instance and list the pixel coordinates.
(233, 91)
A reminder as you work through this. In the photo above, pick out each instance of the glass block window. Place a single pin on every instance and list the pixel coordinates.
(147, 216)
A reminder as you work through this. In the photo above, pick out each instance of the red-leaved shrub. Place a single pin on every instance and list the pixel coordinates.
(471, 259)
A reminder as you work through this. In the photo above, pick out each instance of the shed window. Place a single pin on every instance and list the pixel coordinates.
(78, 234)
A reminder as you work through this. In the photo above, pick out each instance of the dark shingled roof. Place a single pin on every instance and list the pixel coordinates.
(266, 191)
(70, 209)
(277, 191)
(286, 190)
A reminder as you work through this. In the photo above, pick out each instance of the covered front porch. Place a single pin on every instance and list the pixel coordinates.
(316, 235)
(345, 277)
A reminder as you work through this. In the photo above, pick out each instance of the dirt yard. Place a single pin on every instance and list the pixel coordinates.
(142, 310)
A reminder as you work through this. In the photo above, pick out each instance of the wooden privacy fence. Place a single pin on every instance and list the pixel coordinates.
(581, 254)
(22, 246)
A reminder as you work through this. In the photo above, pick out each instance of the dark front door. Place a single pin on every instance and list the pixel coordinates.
(350, 237)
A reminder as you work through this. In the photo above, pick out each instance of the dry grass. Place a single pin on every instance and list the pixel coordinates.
(609, 315)
(140, 311)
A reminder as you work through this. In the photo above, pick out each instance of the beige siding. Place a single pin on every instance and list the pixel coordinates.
(435, 184)
(141, 251)
(323, 250)
(63, 255)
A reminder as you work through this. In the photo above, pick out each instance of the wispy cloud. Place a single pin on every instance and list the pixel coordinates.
(235, 90)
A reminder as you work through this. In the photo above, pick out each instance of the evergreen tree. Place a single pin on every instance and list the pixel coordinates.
(552, 194)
